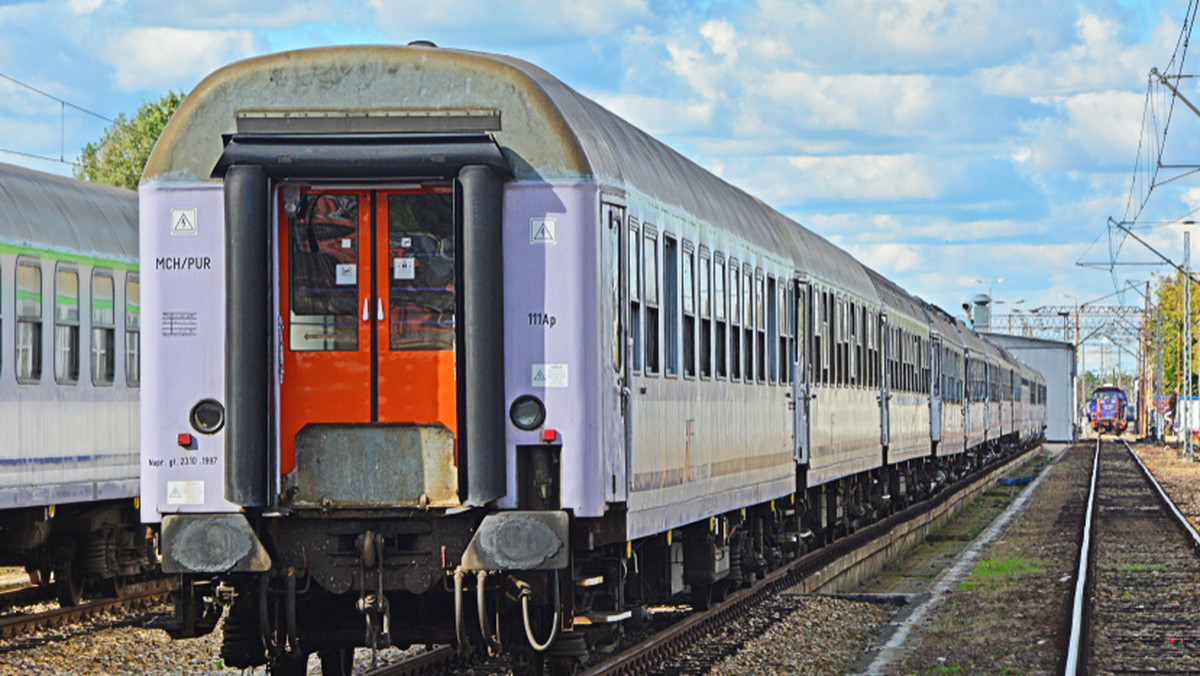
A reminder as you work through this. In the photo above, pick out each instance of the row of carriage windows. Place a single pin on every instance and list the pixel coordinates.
(732, 321)
(713, 316)
(716, 316)
(103, 316)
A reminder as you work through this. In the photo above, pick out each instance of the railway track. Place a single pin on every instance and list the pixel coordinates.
(136, 597)
(1137, 599)
(851, 557)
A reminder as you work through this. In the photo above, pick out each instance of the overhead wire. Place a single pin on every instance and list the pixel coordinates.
(63, 105)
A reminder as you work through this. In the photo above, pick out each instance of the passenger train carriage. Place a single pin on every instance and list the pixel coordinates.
(69, 342)
(436, 341)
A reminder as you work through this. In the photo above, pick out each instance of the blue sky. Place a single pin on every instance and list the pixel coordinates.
(940, 141)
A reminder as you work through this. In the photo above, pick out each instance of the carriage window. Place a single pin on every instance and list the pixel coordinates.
(133, 335)
(689, 311)
(29, 322)
(735, 321)
(66, 326)
(706, 369)
(839, 336)
(721, 301)
(773, 331)
(760, 313)
(421, 302)
(635, 305)
(323, 274)
(650, 288)
(614, 233)
(748, 323)
(670, 305)
(104, 360)
(784, 314)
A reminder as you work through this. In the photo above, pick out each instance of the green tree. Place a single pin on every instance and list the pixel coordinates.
(1169, 298)
(119, 157)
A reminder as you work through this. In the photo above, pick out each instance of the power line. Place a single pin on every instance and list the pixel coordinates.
(61, 102)
(35, 156)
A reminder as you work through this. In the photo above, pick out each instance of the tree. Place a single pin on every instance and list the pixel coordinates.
(119, 157)
(1169, 298)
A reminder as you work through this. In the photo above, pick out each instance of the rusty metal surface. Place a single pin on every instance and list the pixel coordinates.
(368, 465)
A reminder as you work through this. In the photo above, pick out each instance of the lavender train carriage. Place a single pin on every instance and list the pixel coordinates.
(445, 351)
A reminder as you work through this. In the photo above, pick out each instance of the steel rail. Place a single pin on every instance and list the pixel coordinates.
(154, 592)
(1173, 511)
(644, 657)
(430, 662)
(1077, 644)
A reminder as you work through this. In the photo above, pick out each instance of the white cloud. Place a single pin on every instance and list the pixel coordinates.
(1088, 130)
(79, 7)
(658, 116)
(869, 177)
(150, 58)
(888, 104)
(523, 19)
(892, 257)
(1097, 60)
(898, 35)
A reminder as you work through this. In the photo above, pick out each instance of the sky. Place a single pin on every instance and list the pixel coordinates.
(957, 146)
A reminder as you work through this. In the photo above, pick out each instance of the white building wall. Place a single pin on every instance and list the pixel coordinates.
(1056, 361)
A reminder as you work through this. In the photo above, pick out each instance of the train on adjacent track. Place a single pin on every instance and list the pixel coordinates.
(438, 350)
(69, 377)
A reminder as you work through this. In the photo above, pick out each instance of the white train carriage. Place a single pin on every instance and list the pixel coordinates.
(497, 314)
(69, 341)
(948, 413)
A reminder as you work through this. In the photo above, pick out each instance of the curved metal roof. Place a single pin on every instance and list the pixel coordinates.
(44, 211)
(548, 132)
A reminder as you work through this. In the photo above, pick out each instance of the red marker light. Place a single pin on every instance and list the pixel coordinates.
(184, 439)
(549, 436)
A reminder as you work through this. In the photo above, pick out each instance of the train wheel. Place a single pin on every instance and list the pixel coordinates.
(68, 584)
(337, 661)
(114, 586)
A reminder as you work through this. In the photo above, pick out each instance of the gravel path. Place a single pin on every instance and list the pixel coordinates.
(790, 634)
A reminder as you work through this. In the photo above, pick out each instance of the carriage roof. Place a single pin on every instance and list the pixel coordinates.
(546, 130)
(45, 212)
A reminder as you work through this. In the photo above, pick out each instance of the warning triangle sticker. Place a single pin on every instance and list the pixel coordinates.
(183, 221)
(539, 376)
(542, 231)
(175, 493)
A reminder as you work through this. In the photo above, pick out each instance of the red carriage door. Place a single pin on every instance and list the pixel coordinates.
(368, 337)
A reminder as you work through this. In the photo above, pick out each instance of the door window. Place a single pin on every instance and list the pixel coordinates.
(323, 274)
(421, 269)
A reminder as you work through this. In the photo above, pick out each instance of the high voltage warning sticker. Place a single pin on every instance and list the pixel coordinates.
(542, 231)
(549, 375)
(185, 492)
(183, 222)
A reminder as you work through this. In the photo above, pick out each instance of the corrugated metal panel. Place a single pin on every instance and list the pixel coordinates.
(44, 211)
